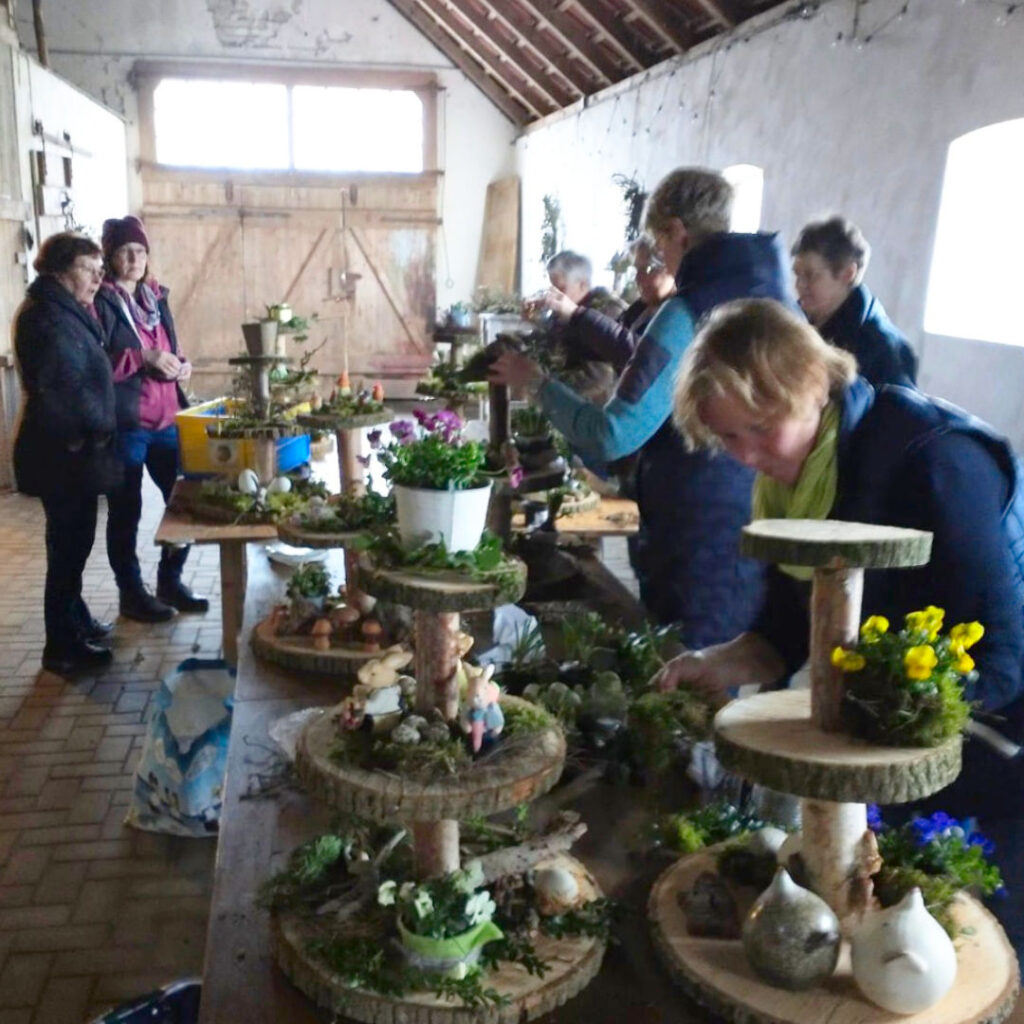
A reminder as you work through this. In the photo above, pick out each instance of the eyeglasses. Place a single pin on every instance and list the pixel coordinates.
(651, 267)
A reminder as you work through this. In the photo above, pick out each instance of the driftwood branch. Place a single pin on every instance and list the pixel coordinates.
(515, 860)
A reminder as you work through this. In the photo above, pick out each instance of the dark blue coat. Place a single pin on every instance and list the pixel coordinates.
(64, 441)
(118, 336)
(906, 459)
(860, 325)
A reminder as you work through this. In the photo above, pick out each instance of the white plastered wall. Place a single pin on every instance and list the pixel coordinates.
(856, 123)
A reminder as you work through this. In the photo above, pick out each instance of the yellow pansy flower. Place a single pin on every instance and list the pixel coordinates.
(919, 661)
(847, 661)
(964, 663)
(928, 620)
(967, 634)
(874, 626)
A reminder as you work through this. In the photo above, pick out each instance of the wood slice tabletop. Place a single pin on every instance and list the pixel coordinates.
(179, 526)
(293, 533)
(324, 420)
(441, 591)
(715, 972)
(517, 770)
(830, 542)
(573, 963)
(770, 739)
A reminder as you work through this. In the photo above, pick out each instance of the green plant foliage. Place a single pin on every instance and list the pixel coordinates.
(528, 647)
(593, 919)
(691, 831)
(907, 688)
(426, 761)
(433, 454)
(526, 719)
(550, 229)
(485, 564)
(349, 512)
(530, 421)
(659, 723)
(308, 866)
(255, 508)
(350, 405)
(310, 579)
(558, 699)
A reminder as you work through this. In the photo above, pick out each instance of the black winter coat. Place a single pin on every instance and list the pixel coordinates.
(65, 441)
(118, 336)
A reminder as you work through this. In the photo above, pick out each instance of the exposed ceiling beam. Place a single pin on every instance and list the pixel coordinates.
(662, 17)
(481, 50)
(514, 111)
(550, 86)
(725, 12)
(634, 53)
(577, 73)
(561, 26)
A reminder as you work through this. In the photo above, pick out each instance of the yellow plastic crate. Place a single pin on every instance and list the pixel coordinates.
(202, 455)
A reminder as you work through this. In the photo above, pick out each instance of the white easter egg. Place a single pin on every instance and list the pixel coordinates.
(767, 841)
(556, 884)
(279, 485)
(248, 482)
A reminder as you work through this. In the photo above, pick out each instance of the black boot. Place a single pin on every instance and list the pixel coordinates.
(139, 604)
(169, 587)
(79, 657)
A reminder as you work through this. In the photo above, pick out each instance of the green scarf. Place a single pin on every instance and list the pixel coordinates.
(813, 495)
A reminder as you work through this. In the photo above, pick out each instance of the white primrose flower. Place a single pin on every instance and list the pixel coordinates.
(422, 903)
(406, 891)
(480, 907)
(386, 893)
(473, 873)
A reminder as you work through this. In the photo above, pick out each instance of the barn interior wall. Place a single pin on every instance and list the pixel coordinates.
(855, 122)
(96, 44)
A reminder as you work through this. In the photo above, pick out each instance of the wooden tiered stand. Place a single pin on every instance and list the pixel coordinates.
(298, 652)
(432, 812)
(791, 741)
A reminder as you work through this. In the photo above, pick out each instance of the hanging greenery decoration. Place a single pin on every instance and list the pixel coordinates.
(550, 234)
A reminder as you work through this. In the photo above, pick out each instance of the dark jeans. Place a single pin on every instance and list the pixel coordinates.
(70, 530)
(156, 451)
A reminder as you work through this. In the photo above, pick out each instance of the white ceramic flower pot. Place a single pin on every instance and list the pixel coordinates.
(456, 517)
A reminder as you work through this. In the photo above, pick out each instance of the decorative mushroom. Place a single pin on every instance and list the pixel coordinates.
(371, 630)
(344, 617)
(321, 631)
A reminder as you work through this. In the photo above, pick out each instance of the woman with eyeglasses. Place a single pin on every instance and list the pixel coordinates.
(64, 452)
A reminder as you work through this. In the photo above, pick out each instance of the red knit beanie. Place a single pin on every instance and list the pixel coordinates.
(120, 232)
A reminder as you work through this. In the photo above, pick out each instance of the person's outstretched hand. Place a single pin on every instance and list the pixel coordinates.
(559, 303)
(514, 369)
(697, 672)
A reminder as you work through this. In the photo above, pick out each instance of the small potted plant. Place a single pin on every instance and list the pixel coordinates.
(443, 923)
(460, 314)
(440, 491)
(906, 687)
(309, 585)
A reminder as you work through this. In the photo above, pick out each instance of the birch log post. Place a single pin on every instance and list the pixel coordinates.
(835, 619)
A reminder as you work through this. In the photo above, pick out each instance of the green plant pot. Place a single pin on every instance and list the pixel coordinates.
(450, 957)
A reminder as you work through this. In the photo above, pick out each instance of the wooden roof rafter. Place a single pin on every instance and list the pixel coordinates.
(723, 12)
(494, 63)
(664, 19)
(580, 76)
(558, 90)
(515, 111)
(553, 20)
(636, 55)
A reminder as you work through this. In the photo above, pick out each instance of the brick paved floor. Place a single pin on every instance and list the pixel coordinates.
(91, 912)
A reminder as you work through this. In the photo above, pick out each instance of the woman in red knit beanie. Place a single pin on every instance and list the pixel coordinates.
(149, 371)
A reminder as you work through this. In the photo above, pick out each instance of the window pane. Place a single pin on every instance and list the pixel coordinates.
(201, 123)
(337, 129)
(978, 261)
(748, 183)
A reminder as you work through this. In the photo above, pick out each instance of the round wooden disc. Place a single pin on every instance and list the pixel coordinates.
(441, 591)
(290, 533)
(327, 421)
(769, 738)
(829, 542)
(572, 962)
(489, 786)
(298, 652)
(716, 974)
(257, 360)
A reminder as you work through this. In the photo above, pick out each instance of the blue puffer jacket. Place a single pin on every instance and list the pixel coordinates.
(906, 459)
(861, 326)
(692, 504)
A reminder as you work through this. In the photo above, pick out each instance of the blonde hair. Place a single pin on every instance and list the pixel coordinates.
(756, 351)
(700, 198)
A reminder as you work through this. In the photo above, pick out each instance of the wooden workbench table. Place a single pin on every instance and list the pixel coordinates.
(241, 981)
(179, 527)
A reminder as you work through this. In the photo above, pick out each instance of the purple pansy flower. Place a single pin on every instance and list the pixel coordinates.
(403, 431)
(515, 476)
(374, 438)
(363, 460)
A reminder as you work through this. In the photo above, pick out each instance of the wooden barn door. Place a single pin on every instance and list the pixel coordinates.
(227, 250)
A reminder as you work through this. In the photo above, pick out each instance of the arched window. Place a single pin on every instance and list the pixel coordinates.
(748, 181)
(977, 272)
